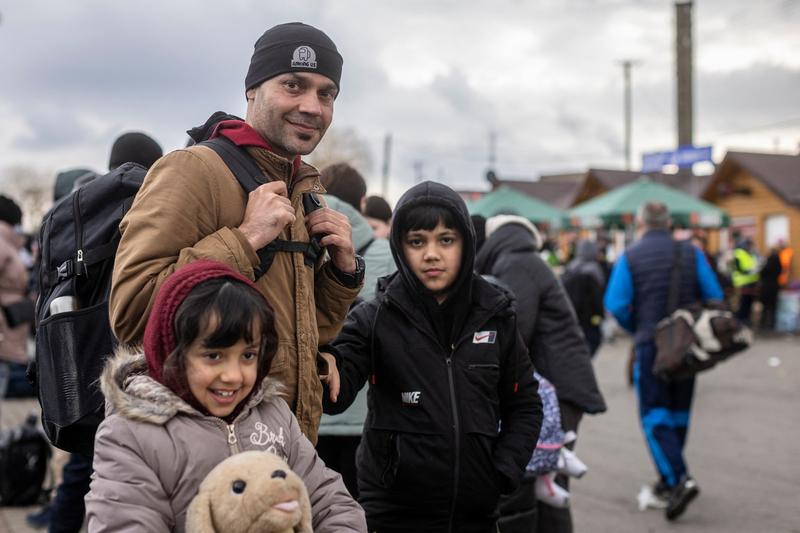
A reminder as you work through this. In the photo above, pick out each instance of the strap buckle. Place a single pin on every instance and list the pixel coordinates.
(65, 270)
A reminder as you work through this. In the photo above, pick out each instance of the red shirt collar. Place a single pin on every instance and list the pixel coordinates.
(242, 134)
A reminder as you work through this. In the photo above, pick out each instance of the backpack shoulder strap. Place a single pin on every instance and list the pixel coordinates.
(247, 172)
(675, 279)
(361, 251)
(250, 177)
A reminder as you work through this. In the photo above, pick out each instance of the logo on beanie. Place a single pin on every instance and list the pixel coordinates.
(304, 57)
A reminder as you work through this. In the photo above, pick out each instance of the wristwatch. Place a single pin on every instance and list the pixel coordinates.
(351, 280)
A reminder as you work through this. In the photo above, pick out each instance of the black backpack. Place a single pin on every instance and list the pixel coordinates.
(78, 240)
(24, 460)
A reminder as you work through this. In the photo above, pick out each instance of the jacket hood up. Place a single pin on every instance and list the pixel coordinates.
(132, 393)
(585, 262)
(498, 221)
(506, 234)
(433, 194)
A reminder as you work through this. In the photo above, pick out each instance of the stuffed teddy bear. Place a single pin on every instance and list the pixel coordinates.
(247, 492)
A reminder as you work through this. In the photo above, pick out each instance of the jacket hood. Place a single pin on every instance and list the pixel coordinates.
(433, 194)
(132, 393)
(586, 251)
(498, 221)
(203, 132)
(510, 234)
(585, 261)
(362, 233)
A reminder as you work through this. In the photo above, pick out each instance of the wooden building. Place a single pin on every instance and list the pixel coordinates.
(761, 193)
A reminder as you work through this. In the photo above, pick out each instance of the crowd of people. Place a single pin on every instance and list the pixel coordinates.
(396, 359)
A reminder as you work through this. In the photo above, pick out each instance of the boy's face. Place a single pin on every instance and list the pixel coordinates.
(434, 256)
(220, 378)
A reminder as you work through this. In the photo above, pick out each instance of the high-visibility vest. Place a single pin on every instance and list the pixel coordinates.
(785, 256)
(745, 271)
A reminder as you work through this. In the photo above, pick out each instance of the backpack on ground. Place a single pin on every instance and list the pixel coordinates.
(78, 241)
(24, 459)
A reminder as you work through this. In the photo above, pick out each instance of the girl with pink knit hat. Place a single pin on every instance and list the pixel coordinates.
(198, 394)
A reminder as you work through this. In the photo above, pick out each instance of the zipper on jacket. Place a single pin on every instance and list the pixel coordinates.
(456, 425)
(80, 268)
(457, 435)
(232, 440)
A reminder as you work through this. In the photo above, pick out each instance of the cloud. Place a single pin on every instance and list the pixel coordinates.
(438, 75)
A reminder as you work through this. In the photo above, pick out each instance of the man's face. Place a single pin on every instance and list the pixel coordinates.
(434, 256)
(292, 111)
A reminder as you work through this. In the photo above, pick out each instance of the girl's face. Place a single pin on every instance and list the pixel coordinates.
(220, 378)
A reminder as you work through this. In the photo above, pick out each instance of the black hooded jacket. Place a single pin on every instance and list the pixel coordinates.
(547, 322)
(449, 427)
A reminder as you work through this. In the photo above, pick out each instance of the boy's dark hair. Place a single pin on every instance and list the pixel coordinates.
(10, 211)
(345, 183)
(377, 207)
(237, 308)
(426, 217)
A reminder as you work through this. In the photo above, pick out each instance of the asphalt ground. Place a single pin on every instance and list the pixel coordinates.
(743, 449)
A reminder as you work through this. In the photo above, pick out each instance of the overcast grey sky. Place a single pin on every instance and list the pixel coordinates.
(438, 74)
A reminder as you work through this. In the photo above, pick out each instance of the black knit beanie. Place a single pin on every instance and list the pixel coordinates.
(134, 147)
(292, 47)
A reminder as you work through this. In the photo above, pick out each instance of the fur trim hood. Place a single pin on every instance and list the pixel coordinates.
(496, 222)
(132, 393)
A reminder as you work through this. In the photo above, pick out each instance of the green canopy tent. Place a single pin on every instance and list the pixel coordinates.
(617, 208)
(507, 201)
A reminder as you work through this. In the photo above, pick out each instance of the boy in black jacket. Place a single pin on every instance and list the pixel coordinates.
(454, 412)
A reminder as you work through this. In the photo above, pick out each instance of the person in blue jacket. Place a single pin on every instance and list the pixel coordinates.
(637, 295)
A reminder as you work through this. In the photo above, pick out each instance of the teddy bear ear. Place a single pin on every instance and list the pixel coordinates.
(198, 516)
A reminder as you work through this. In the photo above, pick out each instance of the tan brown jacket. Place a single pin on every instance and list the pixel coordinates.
(189, 208)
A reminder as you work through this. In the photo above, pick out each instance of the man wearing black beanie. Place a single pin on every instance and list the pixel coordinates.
(191, 207)
(135, 147)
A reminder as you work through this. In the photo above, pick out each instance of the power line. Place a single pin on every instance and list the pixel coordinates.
(788, 121)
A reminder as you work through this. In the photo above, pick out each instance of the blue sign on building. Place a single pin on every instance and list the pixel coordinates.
(683, 157)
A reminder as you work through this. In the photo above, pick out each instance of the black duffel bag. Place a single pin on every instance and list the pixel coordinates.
(696, 337)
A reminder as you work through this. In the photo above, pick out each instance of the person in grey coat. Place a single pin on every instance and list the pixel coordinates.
(198, 394)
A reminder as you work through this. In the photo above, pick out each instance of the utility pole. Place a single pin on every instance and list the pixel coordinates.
(684, 90)
(387, 156)
(627, 65)
(683, 65)
(492, 149)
